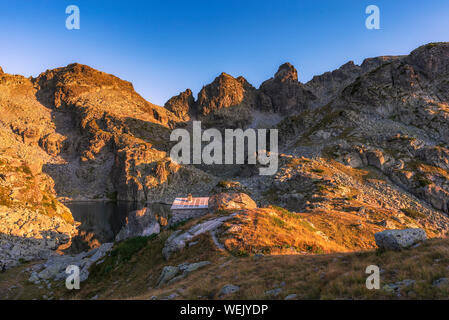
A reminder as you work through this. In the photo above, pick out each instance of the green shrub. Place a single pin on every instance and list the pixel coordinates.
(126, 249)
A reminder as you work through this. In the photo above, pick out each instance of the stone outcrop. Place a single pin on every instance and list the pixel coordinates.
(399, 239)
(55, 267)
(231, 201)
(172, 274)
(178, 239)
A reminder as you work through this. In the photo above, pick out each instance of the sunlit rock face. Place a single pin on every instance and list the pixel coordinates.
(224, 92)
(182, 105)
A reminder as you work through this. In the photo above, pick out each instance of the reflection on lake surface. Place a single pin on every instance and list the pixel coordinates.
(102, 221)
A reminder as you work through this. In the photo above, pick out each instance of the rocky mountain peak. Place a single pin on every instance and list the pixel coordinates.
(370, 64)
(79, 74)
(224, 92)
(1, 70)
(286, 72)
(350, 65)
(327, 85)
(181, 105)
(431, 59)
(283, 93)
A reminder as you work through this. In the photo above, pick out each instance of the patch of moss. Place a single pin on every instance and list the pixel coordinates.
(123, 252)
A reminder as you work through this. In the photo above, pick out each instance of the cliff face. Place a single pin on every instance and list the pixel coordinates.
(90, 132)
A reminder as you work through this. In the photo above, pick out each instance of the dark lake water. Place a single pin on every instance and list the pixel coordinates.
(102, 221)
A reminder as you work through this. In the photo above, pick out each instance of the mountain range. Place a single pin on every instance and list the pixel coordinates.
(362, 149)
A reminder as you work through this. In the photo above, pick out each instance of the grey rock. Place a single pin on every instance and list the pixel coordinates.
(398, 286)
(399, 239)
(171, 274)
(178, 240)
(291, 296)
(274, 292)
(171, 296)
(54, 268)
(228, 289)
(168, 273)
(193, 266)
(441, 282)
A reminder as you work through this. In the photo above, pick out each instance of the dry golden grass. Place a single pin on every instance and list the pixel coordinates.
(274, 231)
(332, 276)
(323, 276)
(428, 169)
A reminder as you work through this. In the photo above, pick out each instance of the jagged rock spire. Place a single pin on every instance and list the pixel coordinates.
(286, 72)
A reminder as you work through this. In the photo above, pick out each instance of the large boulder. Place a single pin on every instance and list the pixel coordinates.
(139, 223)
(399, 239)
(231, 201)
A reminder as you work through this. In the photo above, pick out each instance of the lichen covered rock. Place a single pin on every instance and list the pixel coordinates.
(399, 239)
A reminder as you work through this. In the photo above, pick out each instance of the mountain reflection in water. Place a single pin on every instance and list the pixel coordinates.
(102, 221)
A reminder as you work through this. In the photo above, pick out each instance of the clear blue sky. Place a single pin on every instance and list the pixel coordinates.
(164, 47)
